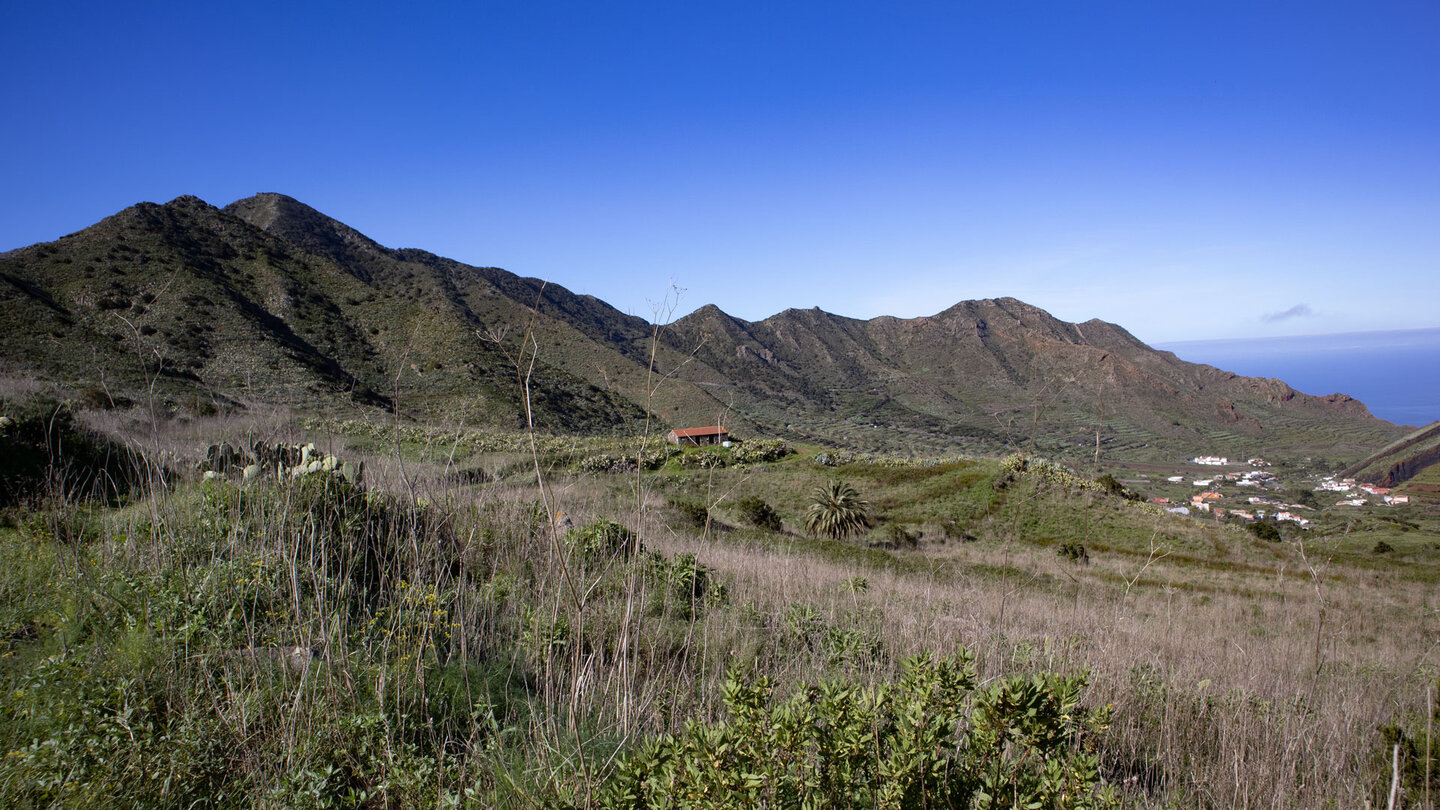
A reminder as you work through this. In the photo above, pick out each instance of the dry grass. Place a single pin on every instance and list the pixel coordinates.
(1240, 675)
(1234, 685)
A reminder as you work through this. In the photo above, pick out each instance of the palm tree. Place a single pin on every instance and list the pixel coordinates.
(836, 511)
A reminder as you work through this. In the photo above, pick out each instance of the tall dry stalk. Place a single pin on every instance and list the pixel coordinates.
(662, 313)
(524, 361)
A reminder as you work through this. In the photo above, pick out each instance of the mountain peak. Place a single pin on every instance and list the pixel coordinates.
(187, 201)
(268, 209)
(301, 225)
(274, 196)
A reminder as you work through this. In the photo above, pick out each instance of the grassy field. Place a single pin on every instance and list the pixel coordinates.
(482, 625)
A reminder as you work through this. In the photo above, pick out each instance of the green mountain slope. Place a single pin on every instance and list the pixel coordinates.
(1400, 460)
(1003, 371)
(268, 300)
(580, 335)
(208, 306)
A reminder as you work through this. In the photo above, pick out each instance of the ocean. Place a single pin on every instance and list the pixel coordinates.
(1395, 373)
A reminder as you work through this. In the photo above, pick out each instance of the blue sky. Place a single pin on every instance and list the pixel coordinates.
(1187, 170)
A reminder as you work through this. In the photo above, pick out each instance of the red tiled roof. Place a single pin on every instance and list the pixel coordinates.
(713, 430)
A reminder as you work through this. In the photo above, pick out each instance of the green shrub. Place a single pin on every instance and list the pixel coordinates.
(893, 535)
(606, 462)
(106, 736)
(695, 515)
(756, 512)
(347, 531)
(622, 461)
(954, 530)
(1419, 757)
(542, 634)
(1108, 483)
(759, 451)
(706, 458)
(45, 453)
(931, 739)
(687, 582)
(852, 644)
(602, 540)
(1264, 531)
(803, 621)
(655, 457)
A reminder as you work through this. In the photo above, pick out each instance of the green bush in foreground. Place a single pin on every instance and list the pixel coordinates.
(930, 740)
(602, 540)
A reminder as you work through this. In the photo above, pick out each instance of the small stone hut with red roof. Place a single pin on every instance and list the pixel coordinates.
(713, 434)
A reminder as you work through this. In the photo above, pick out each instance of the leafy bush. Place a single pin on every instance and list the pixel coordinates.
(1108, 483)
(835, 459)
(756, 512)
(694, 514)
(1014, 467)
(893, 535)
(1382, 547)
(690, 582)
(606, 462)
(929, 740)
(622, 462)
(1264, 531)
(759, 451)
(852, 644)
(602, 539)
(542, 634)
(348, 531)
(710, 457)
(955, 530)
(106, 736)
(43, 453)
(655, 457)
(803, 621)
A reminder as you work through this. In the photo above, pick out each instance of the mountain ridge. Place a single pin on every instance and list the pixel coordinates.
(269, 298)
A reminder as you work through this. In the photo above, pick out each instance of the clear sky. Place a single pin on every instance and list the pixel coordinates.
(1187, 170)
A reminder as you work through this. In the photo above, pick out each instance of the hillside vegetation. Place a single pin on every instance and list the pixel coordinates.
(268, 302)
(493, 619)
(1401, 460)
(292, 519)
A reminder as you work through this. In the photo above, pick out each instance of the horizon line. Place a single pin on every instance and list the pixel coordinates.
(1365, 333)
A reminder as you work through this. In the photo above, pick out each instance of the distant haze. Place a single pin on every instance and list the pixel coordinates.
(1395, 373)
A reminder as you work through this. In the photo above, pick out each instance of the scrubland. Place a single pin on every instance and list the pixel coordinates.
(491, 621)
